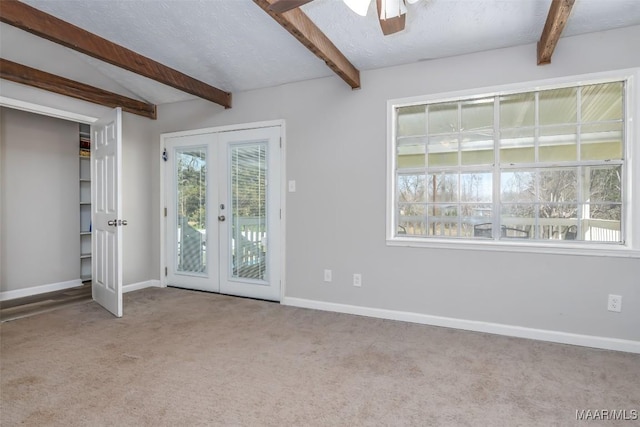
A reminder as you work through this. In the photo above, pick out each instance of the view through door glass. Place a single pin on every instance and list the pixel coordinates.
(191, 226)
(249, 211)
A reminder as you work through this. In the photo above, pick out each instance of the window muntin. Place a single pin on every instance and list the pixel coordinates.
(543, 165)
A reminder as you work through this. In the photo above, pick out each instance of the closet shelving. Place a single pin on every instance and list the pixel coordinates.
(85, 202)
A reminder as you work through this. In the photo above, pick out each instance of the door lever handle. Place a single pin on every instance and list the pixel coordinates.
(112, 222)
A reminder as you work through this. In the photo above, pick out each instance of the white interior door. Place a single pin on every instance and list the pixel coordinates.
(107, 211)
(223, 212)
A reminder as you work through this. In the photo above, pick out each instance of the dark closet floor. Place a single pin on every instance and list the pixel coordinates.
(36, 304)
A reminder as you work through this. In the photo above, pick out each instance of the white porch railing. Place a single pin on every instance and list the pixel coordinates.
(249, 247)
(597, 230)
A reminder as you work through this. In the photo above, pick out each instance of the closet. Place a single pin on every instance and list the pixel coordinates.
(45, 211)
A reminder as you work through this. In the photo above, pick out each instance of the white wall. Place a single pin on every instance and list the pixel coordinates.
(40, 201)
(336, 151)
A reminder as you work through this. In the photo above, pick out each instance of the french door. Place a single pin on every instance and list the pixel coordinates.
(223, 212)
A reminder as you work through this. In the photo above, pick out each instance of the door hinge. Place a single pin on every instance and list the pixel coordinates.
(280, 213)
(166, 271)
(165, 212)
(280, 142)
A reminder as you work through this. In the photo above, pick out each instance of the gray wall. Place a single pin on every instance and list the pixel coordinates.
(336, 151)
(40, 200)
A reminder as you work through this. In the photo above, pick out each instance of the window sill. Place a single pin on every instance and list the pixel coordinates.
(608, 250)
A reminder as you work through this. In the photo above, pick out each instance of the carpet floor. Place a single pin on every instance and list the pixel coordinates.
(183, 358)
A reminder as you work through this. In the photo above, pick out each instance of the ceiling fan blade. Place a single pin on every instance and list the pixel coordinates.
(361, 7)
(281, 6)
(391, 25)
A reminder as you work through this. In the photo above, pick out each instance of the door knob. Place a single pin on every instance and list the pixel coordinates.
(221, 218)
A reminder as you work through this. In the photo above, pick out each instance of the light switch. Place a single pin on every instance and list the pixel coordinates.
(292, 186)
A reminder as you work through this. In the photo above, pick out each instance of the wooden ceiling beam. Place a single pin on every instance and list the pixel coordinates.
(556, 20)
(27, 18)
(42, 80)
(302, 28)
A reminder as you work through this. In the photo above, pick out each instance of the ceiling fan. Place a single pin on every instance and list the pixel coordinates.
(391, 13)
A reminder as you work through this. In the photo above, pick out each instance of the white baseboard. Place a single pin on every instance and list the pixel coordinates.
(141, 285)
(51, 287)
(41, 289)
(472, 325)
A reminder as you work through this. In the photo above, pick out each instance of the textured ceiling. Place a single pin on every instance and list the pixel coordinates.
(441, 28)
(234, 45)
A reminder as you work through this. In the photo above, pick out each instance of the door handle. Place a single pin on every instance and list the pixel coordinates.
(112, 222)
(221, 218)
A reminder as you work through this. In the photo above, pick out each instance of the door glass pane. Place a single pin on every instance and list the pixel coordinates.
(191, 200)
(249, 211)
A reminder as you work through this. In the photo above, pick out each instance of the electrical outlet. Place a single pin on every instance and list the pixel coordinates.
(615, 303)
(327, 275)
(357, 279)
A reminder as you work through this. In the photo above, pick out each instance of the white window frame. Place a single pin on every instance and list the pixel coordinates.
(631, 200)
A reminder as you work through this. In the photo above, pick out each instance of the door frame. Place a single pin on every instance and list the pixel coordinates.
(283, 187)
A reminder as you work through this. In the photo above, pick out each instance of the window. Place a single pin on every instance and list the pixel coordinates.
(538, 166)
